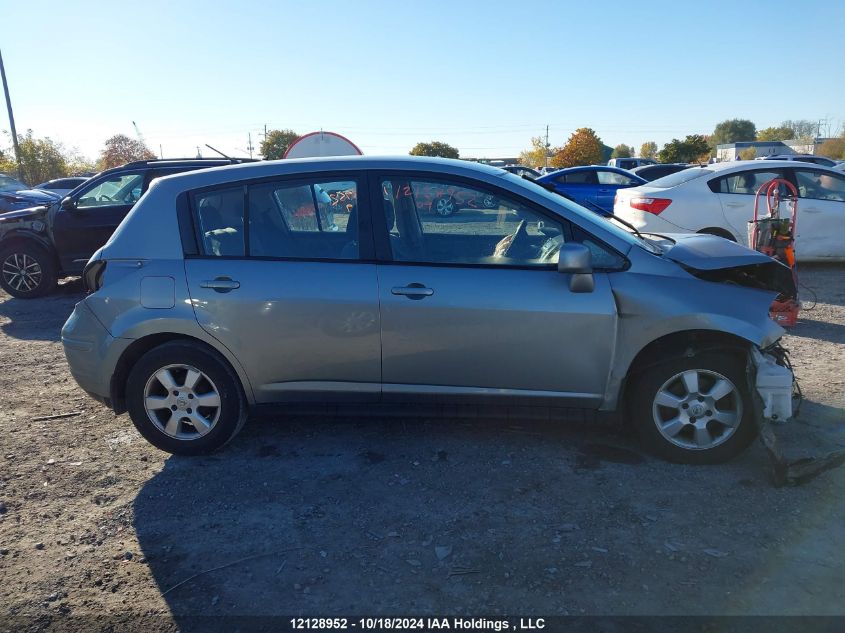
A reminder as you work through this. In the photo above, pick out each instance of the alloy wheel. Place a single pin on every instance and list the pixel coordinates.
(444, 206)
(182, 402)
(22, 272)
(697, 409)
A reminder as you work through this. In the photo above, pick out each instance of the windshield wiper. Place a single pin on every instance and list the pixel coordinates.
(628, 224)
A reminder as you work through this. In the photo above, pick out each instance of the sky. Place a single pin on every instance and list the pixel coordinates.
(484, 76)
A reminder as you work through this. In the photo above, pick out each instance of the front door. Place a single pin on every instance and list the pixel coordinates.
(472, 305)
(80, 230)
(283, 287)
(821, 214)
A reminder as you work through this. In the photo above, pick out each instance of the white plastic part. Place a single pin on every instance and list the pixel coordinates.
(321, 143)
(774, 384)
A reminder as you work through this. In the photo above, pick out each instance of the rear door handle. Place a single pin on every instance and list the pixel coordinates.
(221, 284)
(811, 210)
(412, 291)
(604, 190)
(734, 204)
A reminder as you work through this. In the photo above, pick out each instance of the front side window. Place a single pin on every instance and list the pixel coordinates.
(443, 223)
(304, 219)
(116, 190)
(220, 216)
(820, 185)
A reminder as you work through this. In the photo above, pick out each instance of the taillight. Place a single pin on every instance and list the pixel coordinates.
(92, 276)
(652, 205)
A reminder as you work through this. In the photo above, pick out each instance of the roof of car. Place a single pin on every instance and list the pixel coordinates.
(756, 164)
(259, 169)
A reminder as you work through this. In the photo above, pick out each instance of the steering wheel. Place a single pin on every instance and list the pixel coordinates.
(103, 198)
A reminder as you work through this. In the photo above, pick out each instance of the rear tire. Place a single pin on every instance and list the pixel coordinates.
(694, 410)
(185, 399)
(27, 270)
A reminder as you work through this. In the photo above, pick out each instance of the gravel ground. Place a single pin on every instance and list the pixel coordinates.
(320, 517)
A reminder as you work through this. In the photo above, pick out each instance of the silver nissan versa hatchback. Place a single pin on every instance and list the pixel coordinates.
(322, 282)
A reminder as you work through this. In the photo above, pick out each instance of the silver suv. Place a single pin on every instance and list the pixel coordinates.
(228, 288)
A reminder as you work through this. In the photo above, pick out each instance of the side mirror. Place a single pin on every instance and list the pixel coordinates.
(68, 203)
(577, 260)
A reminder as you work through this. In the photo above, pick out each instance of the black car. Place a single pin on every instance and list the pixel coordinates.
(522, 170)
(16, 195)
(41, 244)
(653, 172)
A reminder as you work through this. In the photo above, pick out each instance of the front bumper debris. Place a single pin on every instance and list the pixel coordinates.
(778, 399)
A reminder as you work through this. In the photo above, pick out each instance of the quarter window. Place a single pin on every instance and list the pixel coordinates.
(820, 185)
(443, 223)
(114, 191)
(220, 214)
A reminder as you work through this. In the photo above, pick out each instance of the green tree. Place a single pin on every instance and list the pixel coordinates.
(120, 149)
(686, 151)
(733, 131)
(276, 143)
(780, 133)
(648, 150)
(435, 148)
(41, 159)
(584, 147)
(622, 151)
(537, 155)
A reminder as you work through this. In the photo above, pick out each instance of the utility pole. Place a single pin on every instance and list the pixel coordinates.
(160, 151)
(249, 145)
(546, 149)
(11, 119)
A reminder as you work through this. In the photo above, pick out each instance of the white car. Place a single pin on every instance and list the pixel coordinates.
(719, 199)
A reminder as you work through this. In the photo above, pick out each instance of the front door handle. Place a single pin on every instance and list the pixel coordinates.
(221, 284)
(734, 205)
(412, 291)
(604, 190)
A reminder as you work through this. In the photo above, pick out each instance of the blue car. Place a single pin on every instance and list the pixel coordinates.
(593, 187)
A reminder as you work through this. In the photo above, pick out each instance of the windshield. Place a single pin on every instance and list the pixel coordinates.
(7, 183)
(680, 177)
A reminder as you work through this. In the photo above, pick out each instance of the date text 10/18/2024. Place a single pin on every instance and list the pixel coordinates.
(417, 624)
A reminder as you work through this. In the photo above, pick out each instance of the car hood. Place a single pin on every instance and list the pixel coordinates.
(23, 214)
(29, 195)
(716, 259)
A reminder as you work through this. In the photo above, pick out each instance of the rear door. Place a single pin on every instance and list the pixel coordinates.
(581, 185)
(609, 182)
(821, 214)
(97, 210)
(736, 193)
(472, 305)
(281, 278)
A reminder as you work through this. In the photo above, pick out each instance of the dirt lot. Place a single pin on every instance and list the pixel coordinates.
(320, 517)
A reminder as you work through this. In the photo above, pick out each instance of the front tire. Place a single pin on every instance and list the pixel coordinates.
(27, 270)
(185, 399)
(694, 410)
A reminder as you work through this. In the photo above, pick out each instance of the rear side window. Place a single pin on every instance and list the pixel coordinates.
(220, 217)
(578, 178)
(679, 178)
(304, 219)
(744, 182)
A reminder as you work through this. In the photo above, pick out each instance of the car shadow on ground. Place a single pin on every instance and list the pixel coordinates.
(41, 318)
(308, 516)
(819, 330)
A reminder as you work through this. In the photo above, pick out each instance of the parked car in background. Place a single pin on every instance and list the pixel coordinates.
(592, 185)
(62, 186)
(653, 172)
(40, 244)
(719, 199)
(445, 200)
(402, 311)
(16, 195)
(521, 170)
(803, 158)
(630, 163)
(840, 165)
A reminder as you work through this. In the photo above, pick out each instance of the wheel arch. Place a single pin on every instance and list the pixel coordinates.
(22, 236)
(685, 343)
(140, 346)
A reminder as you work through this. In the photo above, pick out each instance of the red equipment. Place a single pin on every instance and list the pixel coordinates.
(775, 236)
